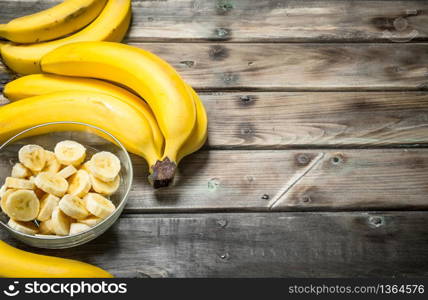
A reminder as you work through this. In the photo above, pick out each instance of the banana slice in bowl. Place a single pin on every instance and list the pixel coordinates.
(70, 183)
(70, 153)
(33, 157)
(105, 166)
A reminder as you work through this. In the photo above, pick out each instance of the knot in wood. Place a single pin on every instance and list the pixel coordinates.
(376, 221)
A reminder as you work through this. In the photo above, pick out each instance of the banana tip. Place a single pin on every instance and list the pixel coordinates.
(163, 173)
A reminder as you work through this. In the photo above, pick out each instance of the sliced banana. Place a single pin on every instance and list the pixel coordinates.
(85, 167)
(51, 183)
(33, 157)
(105, 188)
(73, 207)
(4, 198)
(24, 227)
(79, 184)
(60, 222)
(22, 205)
(52, 164)
(91, 221)
(70, 153)
(20, 171)
(67, 171)
(76, 228)
(98, 205)
(45, 227)
(3, 190)
(104, 165)
(47, 204)
(17, 183)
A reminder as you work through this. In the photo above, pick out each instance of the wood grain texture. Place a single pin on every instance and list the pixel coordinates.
(266, 20)
(306, 180)
(357, 244)
(293, 119)
(315, 119)
(296, 66)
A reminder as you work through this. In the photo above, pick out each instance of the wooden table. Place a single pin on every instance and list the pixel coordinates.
(316, 164)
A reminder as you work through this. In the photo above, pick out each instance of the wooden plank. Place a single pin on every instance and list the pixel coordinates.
(308, 180)
(260, 245)
(293, 119)
(250, 20)
(303, 180)
(297, 66)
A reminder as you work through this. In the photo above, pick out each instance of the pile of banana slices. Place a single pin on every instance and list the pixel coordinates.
(58, 193)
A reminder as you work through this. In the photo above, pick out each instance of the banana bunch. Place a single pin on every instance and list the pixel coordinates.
(105, 20)
(164, 120)
(171, 125)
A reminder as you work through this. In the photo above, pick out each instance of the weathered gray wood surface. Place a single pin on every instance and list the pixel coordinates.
(212, 66)
(266, 20)
(287, 124)
(290, 180)
(260, 245)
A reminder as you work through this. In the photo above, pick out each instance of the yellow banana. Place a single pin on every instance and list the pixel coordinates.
(200, 132)
(41, 84)
(3, 43)
(21, 264)
(145, 73)
(120, 119)
(111, 25)
(52, 23)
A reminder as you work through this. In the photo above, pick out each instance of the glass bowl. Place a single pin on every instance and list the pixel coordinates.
(95, 140)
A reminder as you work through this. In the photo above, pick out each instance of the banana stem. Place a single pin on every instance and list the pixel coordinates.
(163, 173)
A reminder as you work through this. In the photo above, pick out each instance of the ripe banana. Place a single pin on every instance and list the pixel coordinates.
(52, 164)
(200, 132)
(22, 205)
(77, 228)
(3, 43)
(20, 171)
(60, 222)
(67, 171)
(105, 188)
(17, 183)
(70, 153)
(145, 73)
(47, 205)
(91, 221)
(52, 23)
(116, 117)
(41, 84)
(3, 199)
(51, 183)
(18, 263)
(24, 227)
(73, 207)
(3, 190)
(111, 25)
(79, 184)
(45, 227)
(33, 157)
(98, 205)
(104, 165)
